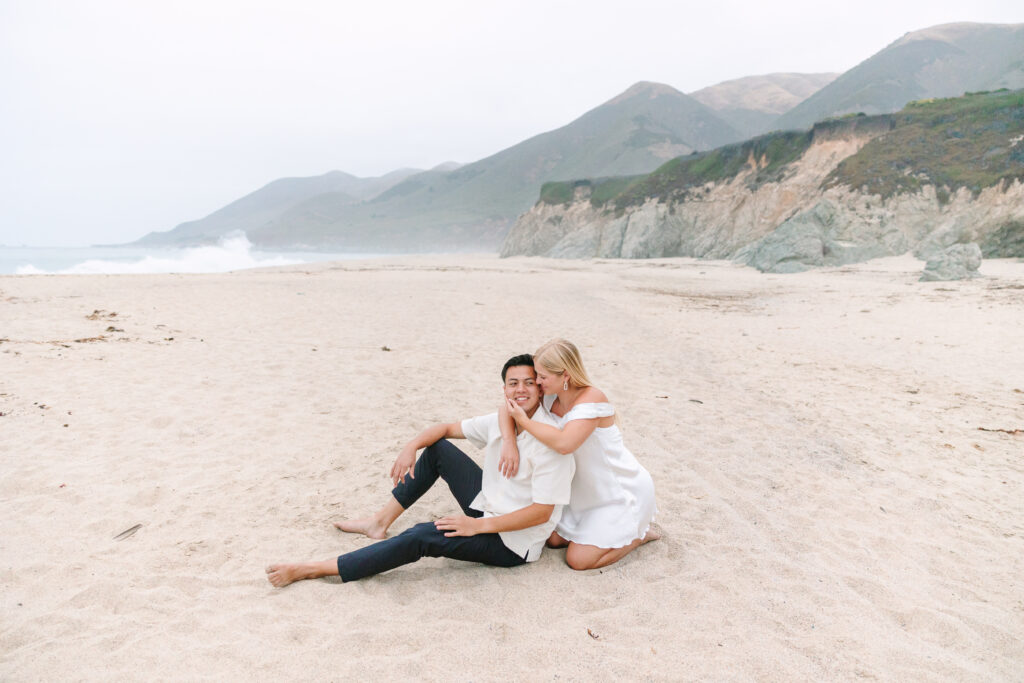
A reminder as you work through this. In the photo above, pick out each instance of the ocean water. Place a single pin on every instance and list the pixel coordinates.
(232, 253)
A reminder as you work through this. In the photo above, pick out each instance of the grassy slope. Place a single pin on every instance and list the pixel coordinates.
(615, 138)
(943, 61)
(950, 143)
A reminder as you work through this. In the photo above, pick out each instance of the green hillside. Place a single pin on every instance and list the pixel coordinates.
(974, 141)
(473, 207)
(270, 201)
(941, 61)
(752, 104)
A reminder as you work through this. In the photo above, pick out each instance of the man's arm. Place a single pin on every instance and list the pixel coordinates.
(461, 525)
(428, 437)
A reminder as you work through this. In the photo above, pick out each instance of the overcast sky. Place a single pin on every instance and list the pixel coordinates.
(119, 117)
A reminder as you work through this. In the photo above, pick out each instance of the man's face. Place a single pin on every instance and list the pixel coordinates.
(521, 387)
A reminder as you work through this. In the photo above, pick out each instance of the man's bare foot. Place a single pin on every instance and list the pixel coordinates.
(653, 534)
(368, 526)
(280, 575)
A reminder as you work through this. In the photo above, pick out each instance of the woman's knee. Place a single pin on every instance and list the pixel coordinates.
(556, 541)
(582, 559)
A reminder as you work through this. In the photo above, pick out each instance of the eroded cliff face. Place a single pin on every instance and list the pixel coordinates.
(781, 226)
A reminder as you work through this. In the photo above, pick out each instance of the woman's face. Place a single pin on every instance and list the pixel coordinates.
(549, 383)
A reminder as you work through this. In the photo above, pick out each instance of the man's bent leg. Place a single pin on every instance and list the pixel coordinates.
(424, 540)
(463, 476)
(376, 525)
(442, 459)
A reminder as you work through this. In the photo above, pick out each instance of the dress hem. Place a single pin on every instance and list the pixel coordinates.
(613, 546)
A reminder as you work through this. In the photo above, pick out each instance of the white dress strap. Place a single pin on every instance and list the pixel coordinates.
(588, 411)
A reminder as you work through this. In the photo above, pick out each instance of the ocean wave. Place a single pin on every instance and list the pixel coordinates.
(233, 252)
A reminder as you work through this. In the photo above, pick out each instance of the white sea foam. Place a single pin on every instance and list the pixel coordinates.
(234, 252)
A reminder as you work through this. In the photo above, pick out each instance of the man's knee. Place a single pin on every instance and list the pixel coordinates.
(426, 537)
(437, 450)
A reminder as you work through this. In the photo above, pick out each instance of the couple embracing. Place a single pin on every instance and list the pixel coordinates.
(555, 473)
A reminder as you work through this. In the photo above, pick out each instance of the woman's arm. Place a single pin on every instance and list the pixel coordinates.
(461, 525)
(565, 440)
(508, 463)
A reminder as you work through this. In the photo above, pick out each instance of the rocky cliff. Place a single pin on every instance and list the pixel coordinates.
(847, 191)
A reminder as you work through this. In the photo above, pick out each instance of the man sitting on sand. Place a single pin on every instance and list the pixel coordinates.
(506, 520)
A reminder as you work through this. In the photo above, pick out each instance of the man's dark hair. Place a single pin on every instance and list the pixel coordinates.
(521, 359)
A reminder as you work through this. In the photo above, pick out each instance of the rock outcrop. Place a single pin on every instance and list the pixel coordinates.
(958, 262)
(804, 210)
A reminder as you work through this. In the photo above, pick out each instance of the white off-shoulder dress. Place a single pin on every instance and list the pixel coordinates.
(612, 499)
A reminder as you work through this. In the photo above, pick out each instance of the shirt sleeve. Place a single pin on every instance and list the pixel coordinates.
(480, 430)
(551, 479)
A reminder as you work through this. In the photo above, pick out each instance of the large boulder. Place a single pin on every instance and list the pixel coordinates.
(958, 262)
(796, 245)
(825, 235)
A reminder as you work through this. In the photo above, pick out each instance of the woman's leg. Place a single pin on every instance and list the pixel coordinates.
(463, 476)
(556, 541)
(581, 557)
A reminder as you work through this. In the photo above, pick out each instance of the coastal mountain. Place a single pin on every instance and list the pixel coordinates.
(752, 104)
(936, 174)
(273, 199)
(941, 61)
(472, 207)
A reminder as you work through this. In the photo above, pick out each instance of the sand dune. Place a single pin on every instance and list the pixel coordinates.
(835, 502)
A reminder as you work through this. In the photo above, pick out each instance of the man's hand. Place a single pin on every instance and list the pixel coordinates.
(508, 464)
(459, 525)
(404, 463)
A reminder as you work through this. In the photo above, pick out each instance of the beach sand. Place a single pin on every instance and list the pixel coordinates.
(836, 498)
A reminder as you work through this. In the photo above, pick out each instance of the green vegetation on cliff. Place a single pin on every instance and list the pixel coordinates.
(766, 155)
(769, 154)
(974, 141)
(600, 190)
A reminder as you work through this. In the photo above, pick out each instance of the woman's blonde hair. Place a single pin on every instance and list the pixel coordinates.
(558, 356)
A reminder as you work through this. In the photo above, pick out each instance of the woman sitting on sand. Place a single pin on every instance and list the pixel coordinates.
(612, 501)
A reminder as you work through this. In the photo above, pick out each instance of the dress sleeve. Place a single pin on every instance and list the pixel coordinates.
(588, 411)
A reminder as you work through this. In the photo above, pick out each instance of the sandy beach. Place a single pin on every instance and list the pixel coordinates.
(838, 457)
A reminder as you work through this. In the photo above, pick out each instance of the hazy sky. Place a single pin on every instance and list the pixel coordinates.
(119, 117)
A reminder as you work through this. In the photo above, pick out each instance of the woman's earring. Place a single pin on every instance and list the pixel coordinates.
(565, 385)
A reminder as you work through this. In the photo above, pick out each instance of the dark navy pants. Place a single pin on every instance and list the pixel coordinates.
(464, 478)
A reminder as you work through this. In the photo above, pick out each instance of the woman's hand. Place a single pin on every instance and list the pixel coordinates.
(516, 411)
(459, 525)
(404, 463)
(508, 463)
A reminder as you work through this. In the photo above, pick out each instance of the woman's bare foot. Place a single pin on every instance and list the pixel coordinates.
(368, 526)
(653, 534)
(280, 575)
